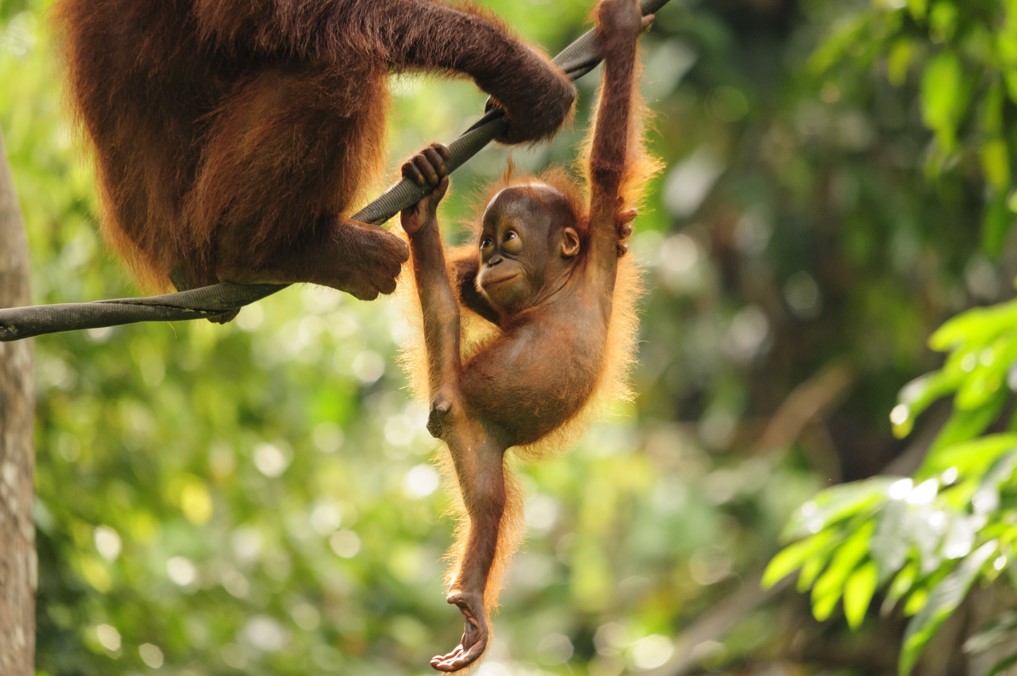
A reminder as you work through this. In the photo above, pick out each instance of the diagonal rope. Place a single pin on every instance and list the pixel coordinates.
(209, 302)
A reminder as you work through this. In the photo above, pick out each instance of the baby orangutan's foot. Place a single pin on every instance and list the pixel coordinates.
(475, 634)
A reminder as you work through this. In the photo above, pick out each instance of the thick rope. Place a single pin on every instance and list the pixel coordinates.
(220, 300)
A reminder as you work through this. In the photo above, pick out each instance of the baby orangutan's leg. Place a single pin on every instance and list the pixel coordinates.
(479, 465)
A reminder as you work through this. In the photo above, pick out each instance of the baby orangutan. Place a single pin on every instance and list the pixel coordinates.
(544, 271)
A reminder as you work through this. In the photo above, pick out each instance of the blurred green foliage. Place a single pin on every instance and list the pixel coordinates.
(926, 540)
(260, 498)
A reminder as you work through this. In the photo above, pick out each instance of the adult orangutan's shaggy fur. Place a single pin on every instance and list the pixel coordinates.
(232, 137)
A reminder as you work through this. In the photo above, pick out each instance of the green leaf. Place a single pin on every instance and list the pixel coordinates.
(977, 326)
(943, 21)
(996, 222)
(942, 97)
(845, 37)
(943, 600)
(916, 601)
(918, 395)
(902, 584)
(927, 539)
(993, 104)
(831, 584)
(960, 536)
(988, 373)
(1010, 82)
(966, 424)
(898, 61)
(995, 156)
(794, 555)
(986, 499)
(838, 503)
(969, 458)
(858, 591)
(1006, 32)
(811, 569)
(891, 541)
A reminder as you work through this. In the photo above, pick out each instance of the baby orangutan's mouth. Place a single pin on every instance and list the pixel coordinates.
(491, 280)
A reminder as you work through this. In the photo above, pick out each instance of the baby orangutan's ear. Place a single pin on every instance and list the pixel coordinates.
(569, 242)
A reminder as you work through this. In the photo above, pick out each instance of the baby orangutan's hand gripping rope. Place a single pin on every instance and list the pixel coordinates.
(543, 270)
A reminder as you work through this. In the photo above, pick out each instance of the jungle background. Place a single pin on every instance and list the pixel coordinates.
(261, 497)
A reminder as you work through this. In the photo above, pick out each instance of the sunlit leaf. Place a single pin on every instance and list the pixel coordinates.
(960, 536)
(891, 540)
(794, 555)
(837, 503)
(995, 155)
(1006, 31)
(918, 395)
(916, 601)
(942, 97)
(926, 536)
(858, 591)
(811, 569)
(899, 60)
(972, 457)
(901, 585)
(966, 424)
(918, 8)
(831, 584)
(977, 326)
(986, 499)
(943, 20)
(988, 376)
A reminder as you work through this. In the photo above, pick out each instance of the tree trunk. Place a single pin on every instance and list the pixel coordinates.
(18, 564)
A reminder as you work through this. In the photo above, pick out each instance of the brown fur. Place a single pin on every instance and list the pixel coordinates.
(233, 136)
(549, 328)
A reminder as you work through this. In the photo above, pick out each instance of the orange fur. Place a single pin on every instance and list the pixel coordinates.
(233, 137)
(476, 333)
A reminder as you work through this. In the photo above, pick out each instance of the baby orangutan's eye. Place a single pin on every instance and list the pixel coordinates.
(512, 243)
(486, 242)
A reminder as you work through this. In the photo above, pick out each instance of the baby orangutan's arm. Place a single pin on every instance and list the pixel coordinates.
(437, 298)
(619, 23)
(477, 454)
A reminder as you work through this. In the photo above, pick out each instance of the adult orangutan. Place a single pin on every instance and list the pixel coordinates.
(233, 136)
(547, 271)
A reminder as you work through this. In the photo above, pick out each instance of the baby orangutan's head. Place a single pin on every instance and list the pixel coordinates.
(529, 241)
